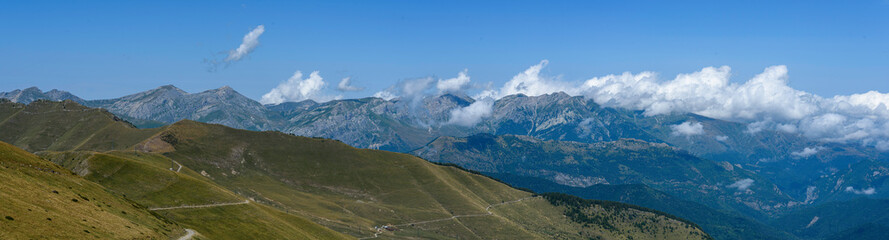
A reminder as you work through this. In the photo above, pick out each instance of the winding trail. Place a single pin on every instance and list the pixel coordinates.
(487, 209)
(200, 206)
(189, 234)
(177, 163)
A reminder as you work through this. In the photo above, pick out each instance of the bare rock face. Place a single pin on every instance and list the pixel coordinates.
(168, 104)
(31, 94)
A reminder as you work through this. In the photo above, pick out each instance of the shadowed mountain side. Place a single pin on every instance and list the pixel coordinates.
(839, 220)
(719, 224)
(625, 161)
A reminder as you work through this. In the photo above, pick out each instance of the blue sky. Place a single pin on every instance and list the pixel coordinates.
(108, 49)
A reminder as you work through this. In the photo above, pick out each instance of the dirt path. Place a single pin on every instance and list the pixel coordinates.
(487, 209)
(177, 163)
(189, 233)
(200, 206)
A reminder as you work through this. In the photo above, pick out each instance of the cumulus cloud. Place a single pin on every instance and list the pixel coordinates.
(473, 114)
(722, 138)
(806, 152)
(742, 185)
(457, 84)
(531, 83)
(868, 191)
(248, 44)
(345, 85)
(412, 90)
(419, 88)
(788, 128)
(385, 95)
(707, 92)
(298, 89)
(688, 129)
(765, 102)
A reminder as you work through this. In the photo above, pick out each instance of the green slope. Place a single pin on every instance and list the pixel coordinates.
(41, 200)
(45, 125)
(352, 190)
(152, 180)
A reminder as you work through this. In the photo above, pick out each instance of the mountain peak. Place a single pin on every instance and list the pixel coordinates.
(168, 87)
(33, 89)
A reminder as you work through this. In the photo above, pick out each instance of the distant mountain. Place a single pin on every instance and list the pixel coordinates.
(168, 104)
(31, 94)
(718, 223)
(393, 125)
(404, 125)
(775, 155)
(854, 219)
(559, 116)
(866, 178)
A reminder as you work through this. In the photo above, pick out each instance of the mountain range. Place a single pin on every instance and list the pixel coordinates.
(787, 171)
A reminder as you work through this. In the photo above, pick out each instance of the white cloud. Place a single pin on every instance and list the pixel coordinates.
(868, 191)
(722, 138)
(411, 90)
(473, 114)
(459, 83)
(765, 102)
(385, 95)
(706, 92)
(806, 152)
(248, 44)
(251, 40)
(756, 127)
(531, 83)
(297, 89)
(345, 85)
(688, 129)
(742, 185)
(418, 88)
(788, 128)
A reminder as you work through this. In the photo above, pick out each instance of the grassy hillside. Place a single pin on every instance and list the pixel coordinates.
(641, 222)
(153, 180)
(352, 190)
(39, 199)
(45, 125)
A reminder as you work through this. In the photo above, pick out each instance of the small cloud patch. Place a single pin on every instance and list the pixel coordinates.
(742, 185)
(868, 191)
(806, 152)
(688, 129)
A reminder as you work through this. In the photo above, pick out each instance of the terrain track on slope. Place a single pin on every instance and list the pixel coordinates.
(200, 206)
(487, 209)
